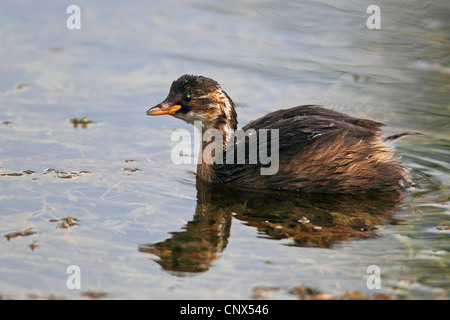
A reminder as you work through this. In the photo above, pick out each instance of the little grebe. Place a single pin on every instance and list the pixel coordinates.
(320, 150)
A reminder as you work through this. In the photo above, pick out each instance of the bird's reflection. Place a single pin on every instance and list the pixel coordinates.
(306, 219)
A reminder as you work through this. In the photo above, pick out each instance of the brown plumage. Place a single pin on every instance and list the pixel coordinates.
(320, 150)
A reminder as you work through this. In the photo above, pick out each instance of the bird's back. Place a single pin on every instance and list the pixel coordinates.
(319, 151)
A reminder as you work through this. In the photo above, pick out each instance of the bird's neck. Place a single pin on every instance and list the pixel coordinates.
(223, 119)
(215, 134)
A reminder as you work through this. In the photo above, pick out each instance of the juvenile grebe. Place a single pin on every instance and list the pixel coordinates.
(320, 150)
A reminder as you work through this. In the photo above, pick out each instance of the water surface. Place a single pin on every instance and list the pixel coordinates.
(144, 228)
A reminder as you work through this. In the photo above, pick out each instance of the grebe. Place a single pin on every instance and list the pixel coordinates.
(320, 150)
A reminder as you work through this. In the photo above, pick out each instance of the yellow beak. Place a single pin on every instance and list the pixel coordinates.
(161, 109)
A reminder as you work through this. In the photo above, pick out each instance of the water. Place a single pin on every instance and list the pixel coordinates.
(144, 229)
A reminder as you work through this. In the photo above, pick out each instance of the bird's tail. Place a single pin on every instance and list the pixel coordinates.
(400, 135)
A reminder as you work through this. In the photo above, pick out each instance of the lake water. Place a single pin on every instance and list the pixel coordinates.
(101, 193)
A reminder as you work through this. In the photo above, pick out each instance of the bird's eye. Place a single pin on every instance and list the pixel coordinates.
(187, 97)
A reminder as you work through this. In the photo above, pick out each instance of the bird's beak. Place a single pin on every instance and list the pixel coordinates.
(163, 108)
